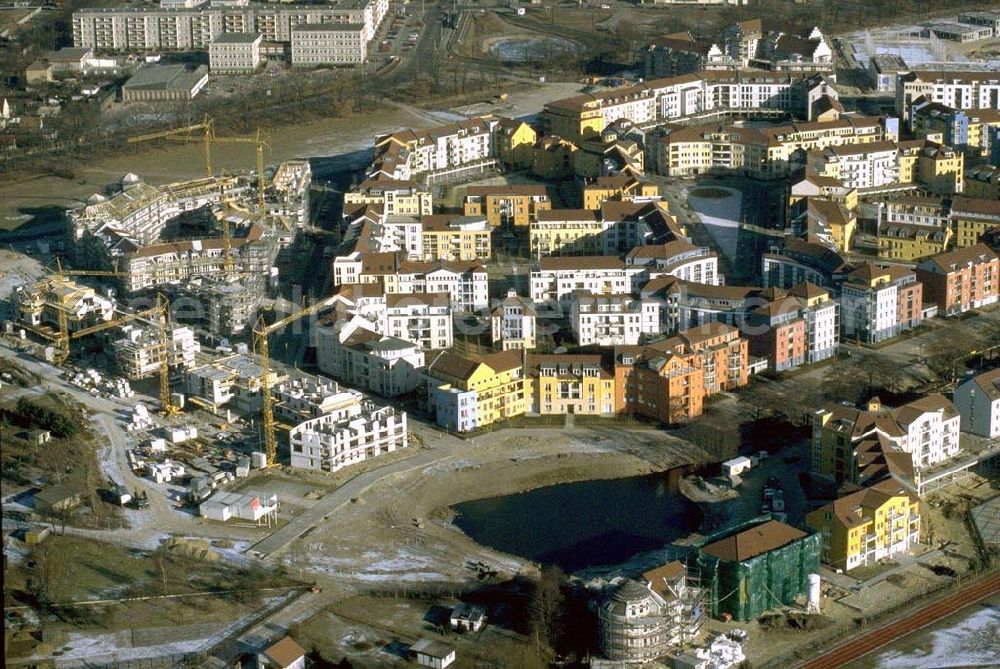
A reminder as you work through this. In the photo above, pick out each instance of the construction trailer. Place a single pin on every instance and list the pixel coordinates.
(759, 565)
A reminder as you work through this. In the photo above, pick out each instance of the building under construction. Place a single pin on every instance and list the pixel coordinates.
(139, 353)
(37, 306)
(758, 566)
(224, 306)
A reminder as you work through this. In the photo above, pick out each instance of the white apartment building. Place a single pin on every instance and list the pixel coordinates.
(879, 303)
(194, 28)
(362, 358)
(465, 282)
(612, 320)
(822, 316)
(347, 436)
(513, 323)
(370, 230)
(139, 352)
(862, 166)
(556, 278)
(448, 149)
(421, 318)
(957, 89)
(235, 53)
(329, 44)
(680, 259)
(978, 403)
(932, 426)
(575, 232)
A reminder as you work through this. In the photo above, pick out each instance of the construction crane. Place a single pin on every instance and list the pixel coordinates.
(167, 406)
(62, 353)
(259, 141)
(261, 332)
(206, 128)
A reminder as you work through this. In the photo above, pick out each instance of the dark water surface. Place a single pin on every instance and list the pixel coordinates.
(586, 524)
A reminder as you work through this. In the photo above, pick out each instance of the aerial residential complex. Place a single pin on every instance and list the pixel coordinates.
(729, 280)
(332, 33)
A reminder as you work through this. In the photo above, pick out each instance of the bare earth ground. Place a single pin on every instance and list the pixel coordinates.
(376, 542)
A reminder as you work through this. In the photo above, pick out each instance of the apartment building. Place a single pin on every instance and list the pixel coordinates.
(679, 53)
(868, 525)
(564, 384)
(670, 379)
(877, 303)
(829, 221)
(865, 166)
(466, 394)
(193, 28)
(680, 259)
(864, 446)
(766, 153)
(614, 229)
(696, 304)
(38, 305)
(978, 403)
(801, 260)
(515, 142)
(972, 217)
(620, 187)
(514, 323)
(958, 89)
(633, 624)
(517, 204)
(141, 350)
(362, 358)
(556, 279)
(421, 318)
(941, 169)
(396, 198)
(460, 238)
(664, 100)
(959, 280)
(777, 331)
(822, 316)
(349, 435)
(177, 262)
(235, 53)
(459, 148)
(913, 227)
(329, 44)
(982, 182)
(973, 131)
(612, 320)
(464, 281)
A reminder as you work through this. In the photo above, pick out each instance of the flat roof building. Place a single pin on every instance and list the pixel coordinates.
(165, 83)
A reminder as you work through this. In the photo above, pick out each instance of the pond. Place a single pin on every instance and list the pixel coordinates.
(585, 524)
(526, 49)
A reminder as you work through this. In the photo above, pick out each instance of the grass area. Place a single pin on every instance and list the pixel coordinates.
(69, 458)
(65, 569)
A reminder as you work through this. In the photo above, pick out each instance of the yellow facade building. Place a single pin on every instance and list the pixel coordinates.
(619, 187)
(517, 204)
(515, 140)
(868, 525)
(569, 384)
(447, 237)
(971, 217)
(467, 393)
(941, 169)
(982, 182)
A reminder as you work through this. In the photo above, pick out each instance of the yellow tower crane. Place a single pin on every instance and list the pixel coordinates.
(261, 332)
(206, 128)
(60, 283)
(260, 144)
(159, 315)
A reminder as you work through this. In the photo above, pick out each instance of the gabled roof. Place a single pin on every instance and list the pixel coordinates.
(284, 652)
(755, 541)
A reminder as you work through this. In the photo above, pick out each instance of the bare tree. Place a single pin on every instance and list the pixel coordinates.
(545, 608)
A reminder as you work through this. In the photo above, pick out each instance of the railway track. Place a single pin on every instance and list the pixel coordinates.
(859, 646)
